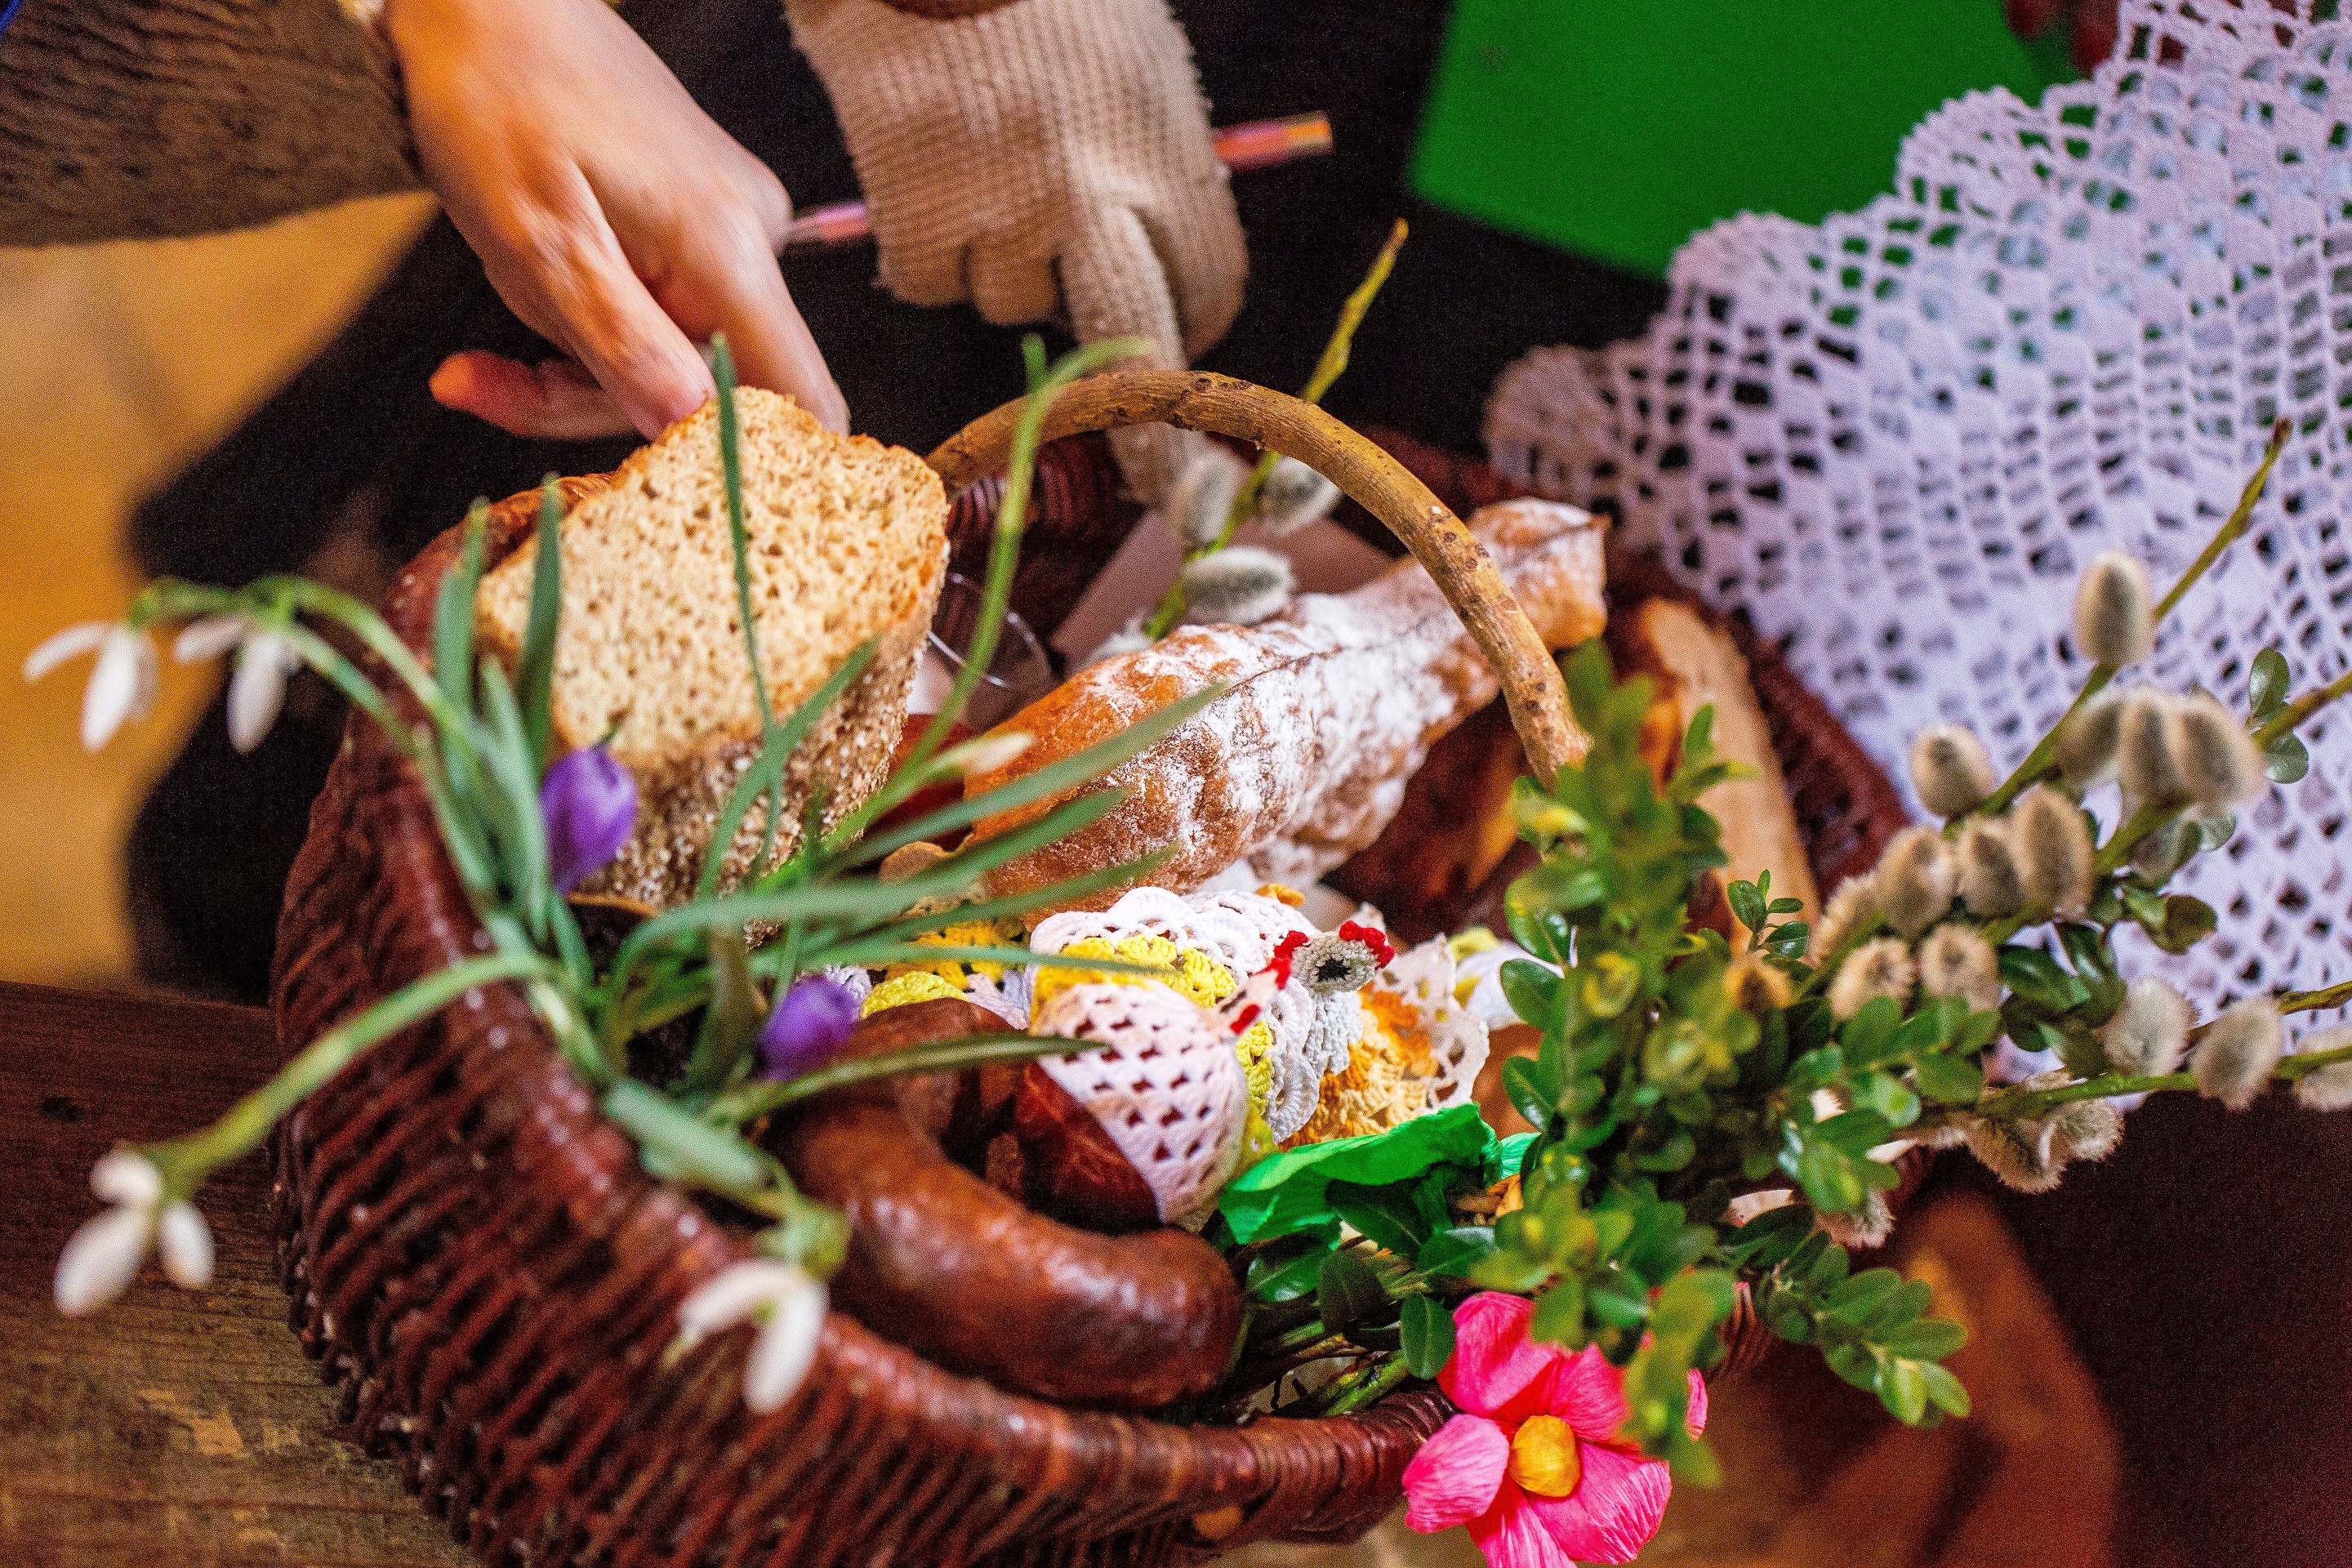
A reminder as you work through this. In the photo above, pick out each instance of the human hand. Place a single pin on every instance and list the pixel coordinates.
(2094, 26)
(613, 216)
(1040, 157)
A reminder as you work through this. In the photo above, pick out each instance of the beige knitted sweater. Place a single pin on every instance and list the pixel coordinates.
(133, 119)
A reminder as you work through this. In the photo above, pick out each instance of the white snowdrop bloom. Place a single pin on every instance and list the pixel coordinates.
(988, 753)
(122, 682)
(102, 1257)
(257, 689)
(786, 1302)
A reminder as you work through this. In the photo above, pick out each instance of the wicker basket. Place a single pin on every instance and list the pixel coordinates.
(478, 1259)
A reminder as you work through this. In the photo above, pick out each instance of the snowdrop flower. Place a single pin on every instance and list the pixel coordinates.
(257, 689)
(1985, 869)
(1239, 585)
(2233, 1060)
(2219, 761)
(1951, 769)
(783, 1300)
(1880, 967)
(986, 753)
(1957, 961)
(2149, 1031)
(122, 683)
(1202, 497)
(2328, 1088)
(2115, 620)
(1852, 906)
(1293, 496)
(2086, 743)
(1915, 880)
(2148, 749)
(2054, 850)
(102, 1258)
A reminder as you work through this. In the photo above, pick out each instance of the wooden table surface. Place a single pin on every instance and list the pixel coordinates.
(179, 1426)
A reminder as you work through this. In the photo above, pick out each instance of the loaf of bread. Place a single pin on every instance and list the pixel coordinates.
(848, 542)
(1327, 710)
(1695, 664)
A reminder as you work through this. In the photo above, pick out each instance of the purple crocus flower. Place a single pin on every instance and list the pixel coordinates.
(589, 803)
(807, 1027)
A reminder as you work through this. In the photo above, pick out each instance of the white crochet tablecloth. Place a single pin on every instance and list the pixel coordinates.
(1894, 437)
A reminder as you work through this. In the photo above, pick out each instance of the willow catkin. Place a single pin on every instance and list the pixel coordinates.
(2328, 1088)
(1914, 879)
(2149, 748)
(1880, 967)
(2115, 620)
(1239, 585)
(1293, 496)
(1852, 906)
(1202, 500)
(1957, 961)
(1951, 769)
(1985, 867)
(2235, 1057)
(2219, 761)
(2085, 743)
(2053, 850)
(2149, 1031)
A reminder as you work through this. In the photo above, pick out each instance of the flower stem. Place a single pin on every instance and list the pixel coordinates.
(2334, 995)
(186, 1160)
(1391, 1373)
(2040, 760)
(2302, 707)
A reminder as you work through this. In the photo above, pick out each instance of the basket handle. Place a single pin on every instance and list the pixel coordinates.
(1198, 400)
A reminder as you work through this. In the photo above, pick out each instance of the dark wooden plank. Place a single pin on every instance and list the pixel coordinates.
(180, 1427)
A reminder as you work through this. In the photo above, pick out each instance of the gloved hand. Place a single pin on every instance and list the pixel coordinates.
(1036, 154)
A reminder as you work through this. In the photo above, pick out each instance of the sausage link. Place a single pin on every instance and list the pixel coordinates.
(949, 1266)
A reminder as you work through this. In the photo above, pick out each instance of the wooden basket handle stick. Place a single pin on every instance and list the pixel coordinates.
(1198, 400)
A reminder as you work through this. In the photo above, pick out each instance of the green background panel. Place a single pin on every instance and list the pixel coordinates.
(1617, 127)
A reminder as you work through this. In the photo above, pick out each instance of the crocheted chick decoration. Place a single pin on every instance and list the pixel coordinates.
(1420, 1051)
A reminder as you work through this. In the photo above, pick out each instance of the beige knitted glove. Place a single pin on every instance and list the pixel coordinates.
(1039, 155)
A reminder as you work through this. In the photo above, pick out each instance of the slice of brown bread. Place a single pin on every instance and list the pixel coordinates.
(848, 542)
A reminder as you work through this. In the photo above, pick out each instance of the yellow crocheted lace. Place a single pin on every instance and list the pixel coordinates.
(1194, 975)
(1255, 1049)
(1006, 932)
(916, 986)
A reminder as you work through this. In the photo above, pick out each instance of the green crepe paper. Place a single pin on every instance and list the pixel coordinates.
(1287, 1192)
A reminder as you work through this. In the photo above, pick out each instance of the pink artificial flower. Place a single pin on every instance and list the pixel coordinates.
(1534, 1465)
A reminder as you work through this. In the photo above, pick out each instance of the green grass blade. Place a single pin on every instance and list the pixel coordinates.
(766, 769)
(453, 612)
(1068, 773)
(535, 674)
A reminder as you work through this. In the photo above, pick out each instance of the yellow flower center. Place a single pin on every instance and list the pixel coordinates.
(1544, 1460)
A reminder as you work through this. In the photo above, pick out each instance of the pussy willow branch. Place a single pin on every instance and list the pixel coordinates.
(1328, 366)
(2041, 759)
(2014, 1104)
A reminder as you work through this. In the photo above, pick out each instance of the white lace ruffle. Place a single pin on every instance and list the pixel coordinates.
(1895, 437)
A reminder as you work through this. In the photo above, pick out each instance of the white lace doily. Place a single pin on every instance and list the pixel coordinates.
(1894, 438)
(1165, 1087)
